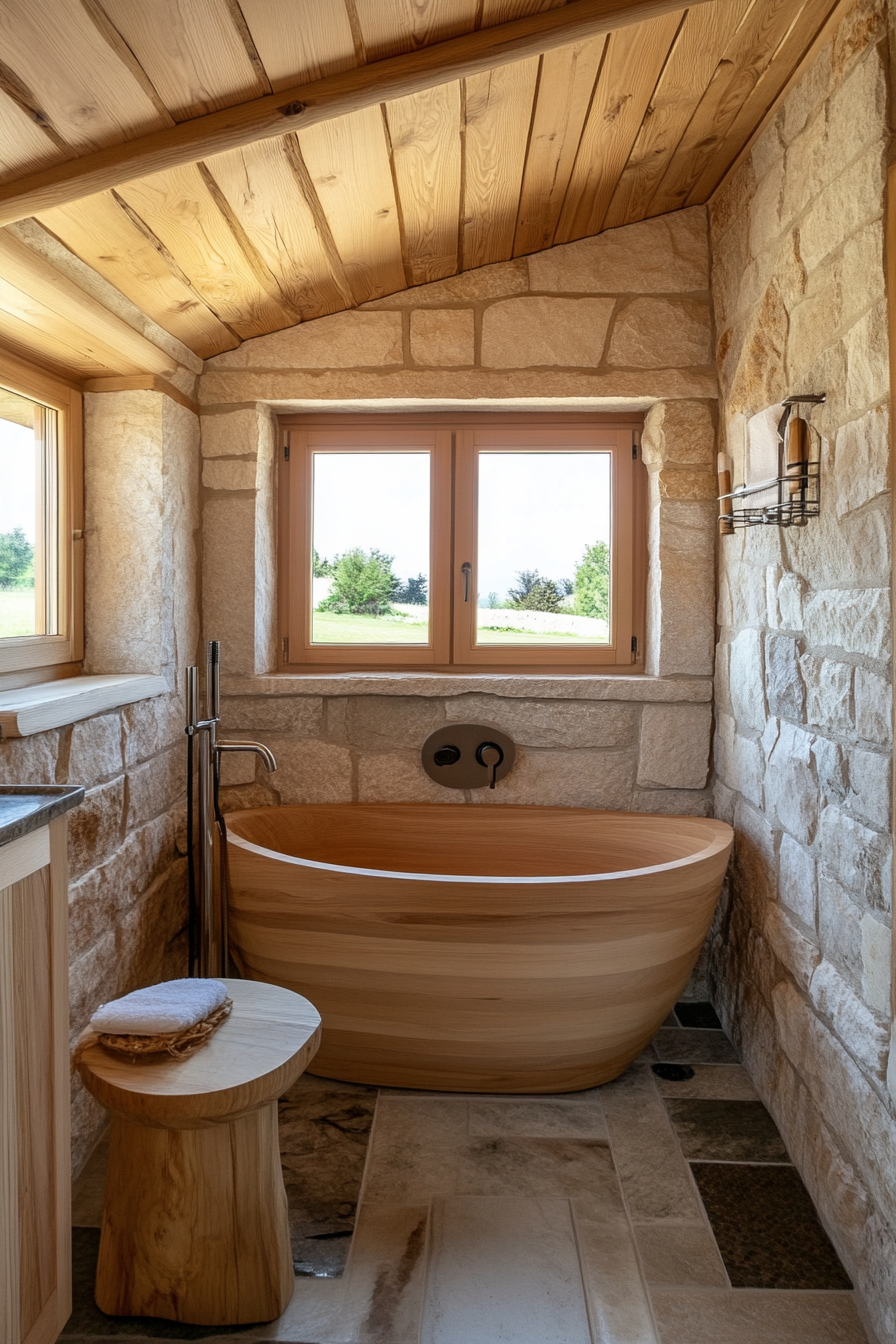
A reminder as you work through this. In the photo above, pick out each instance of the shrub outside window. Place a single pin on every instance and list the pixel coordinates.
(461, 542)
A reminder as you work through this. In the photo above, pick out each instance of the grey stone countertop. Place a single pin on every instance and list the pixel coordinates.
(27, 807)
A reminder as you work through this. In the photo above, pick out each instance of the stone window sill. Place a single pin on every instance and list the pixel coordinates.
(634, 688)
(53, 704)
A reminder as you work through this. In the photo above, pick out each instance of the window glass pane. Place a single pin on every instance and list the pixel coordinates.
(370, 558)
(543, 572)
(27, 500)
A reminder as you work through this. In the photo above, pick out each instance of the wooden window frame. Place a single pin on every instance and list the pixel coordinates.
(32, 658)
(454, 440)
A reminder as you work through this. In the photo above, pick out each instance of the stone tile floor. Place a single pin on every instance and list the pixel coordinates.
(653, 1210)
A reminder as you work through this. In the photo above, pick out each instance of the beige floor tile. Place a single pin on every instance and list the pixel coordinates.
(745, 1316)
(680, 1254)
(535, 1167)
(655, 1178)
(618, 1304)
(89, 1188)
(504, 1269)
(415, 1149)
(538, 1119)
(712, 1082)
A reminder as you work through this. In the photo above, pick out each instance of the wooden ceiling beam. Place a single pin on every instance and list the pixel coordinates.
(322, 100)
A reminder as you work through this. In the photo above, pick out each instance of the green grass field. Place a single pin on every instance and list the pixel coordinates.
(488, 636)
(16, 612)
(329, 627)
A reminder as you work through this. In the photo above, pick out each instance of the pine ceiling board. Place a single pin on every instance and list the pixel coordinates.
(44, 330)
(502, 11)
(766, 91)
(180, 211)
(265, 195)
(698, 49)
(561, 106)
(91, 98)
(24, 147)
(426, 156)
(99, 232)
(35, 346)
(191, 51)
(300, 42)
(703, 145)
(348, 162)
(633, 63)
(391, 26)
(498, 113)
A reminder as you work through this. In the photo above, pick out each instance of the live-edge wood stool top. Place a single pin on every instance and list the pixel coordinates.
(261, 1049)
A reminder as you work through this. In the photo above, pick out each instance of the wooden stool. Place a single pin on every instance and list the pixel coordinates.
(195, 1224)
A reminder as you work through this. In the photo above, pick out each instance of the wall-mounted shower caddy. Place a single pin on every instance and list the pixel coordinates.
(797, 485)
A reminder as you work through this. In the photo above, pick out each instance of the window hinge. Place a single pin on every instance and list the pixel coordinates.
(636, 444)
(286, 647)
(286, 452)
(634, 648)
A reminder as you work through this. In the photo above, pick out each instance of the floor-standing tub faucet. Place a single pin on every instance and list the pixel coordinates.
(208, 903)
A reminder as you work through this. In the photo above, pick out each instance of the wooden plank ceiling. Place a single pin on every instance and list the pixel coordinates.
(606, 131)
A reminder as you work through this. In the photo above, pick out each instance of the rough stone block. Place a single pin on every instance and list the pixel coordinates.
(344, 341)
(681, 593)
(791, 946)
(566, 779)
(95, 750)
(674, 746)
(680, 432)
(228, 579)
(526, 332)
(399, 777)
(226, 473)
(151, 725)
(661, 333)
(747, 679)
(300, 715)
(861, 461)
(238, 767)
(874, 707)
(311, 772)
(155, 786)
(29, 760)
(856, 620)
(739, 761)
(95, 828)
(674, 802)
(867, 359)
(865, 1036)
(379, 723)
(877, 956)
(98, 899)
(857, 856)
(839, 927)
(847, 204)
(856, 113)
(666, 255)
(442, 337)
(788, 605)
(797, 880)
(784, 683)
(791, 787)
(828, 692)
(550, 723)
(683, 484)
(862, 271)
(754, 856)
(235, 433)
(765, 207)
(485, 282)
(870, 783)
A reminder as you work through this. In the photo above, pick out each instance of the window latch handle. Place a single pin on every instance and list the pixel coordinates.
(466, 569)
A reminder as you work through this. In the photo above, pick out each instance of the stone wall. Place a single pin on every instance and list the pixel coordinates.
(802, 956)
(127, 894)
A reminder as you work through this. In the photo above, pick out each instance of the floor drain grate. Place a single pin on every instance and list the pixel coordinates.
(673, 1073)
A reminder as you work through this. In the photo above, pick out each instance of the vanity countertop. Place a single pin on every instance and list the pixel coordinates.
(27, 807)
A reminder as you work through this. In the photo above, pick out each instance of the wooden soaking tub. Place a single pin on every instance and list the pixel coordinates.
(474, 948)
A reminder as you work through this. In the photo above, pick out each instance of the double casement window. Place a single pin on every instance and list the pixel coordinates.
(40, 520)
(461, 542)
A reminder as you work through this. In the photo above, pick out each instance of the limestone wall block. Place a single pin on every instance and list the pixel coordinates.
(399, 777)
(874, 707)
(666, 255)
(805, 172)
(791, 786)
(299, 715)
(660, 333)
(741, 594)
(848, 203)
(861, 461)
(98, 898)
(747, 679)
(856, 111)
(790, 597)
(755, 859)
(865, 1036)
(765, 207)
(840, 927)
(870, 780)
(729, 208)
(343, 341)
(877, 956)
(156, 786)
(228, 579)
(151, 725)
(310, 772)
(797, 881)
(674, 750)
(233, 433)
(784, 682)
(485, 282)
(768, 147)
(739, 761)
(683, 484)
(674, 802)
(558, 723)
(681, 590)
(238, 767)
(680, 433)
(29, 760)
(95, 827)
(525, 332)
(790, 945)
(828, 692)
(442, 336)
(807, 97)
(814, 323)
(585, 778)
(855, 620)
(229, 474)
(832, 769)
(380, 723)
(95, 750)
(862, 270)
(857, 856)
(867, 356)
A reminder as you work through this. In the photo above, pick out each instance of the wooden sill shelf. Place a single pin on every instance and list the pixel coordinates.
(52, 704)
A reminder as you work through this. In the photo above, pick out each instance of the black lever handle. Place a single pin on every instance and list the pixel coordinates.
(467, 570)
(490, 755)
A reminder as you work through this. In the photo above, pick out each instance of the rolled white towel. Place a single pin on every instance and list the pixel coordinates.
(174, 1005)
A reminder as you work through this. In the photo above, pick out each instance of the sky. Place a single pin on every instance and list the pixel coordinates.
(537, 510)
(17, 505)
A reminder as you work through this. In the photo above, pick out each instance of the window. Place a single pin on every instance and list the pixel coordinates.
(40, 507)
(476, 542)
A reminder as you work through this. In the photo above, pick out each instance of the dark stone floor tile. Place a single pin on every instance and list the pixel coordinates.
(700, 1015)
(694, 1046)
(726, 1131)
(767, 1229)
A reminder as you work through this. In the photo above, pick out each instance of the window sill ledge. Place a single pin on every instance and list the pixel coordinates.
(517, 686)
(53, 704)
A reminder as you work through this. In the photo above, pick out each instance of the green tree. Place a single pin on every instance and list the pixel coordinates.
(363, 584)
(592, 591)
(321, 567)
(535, 593)
(413, 592)
(16, 560)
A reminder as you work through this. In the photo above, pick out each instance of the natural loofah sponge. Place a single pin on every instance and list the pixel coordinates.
(174, 1005)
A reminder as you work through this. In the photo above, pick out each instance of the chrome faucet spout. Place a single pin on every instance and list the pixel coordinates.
(258, 747)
